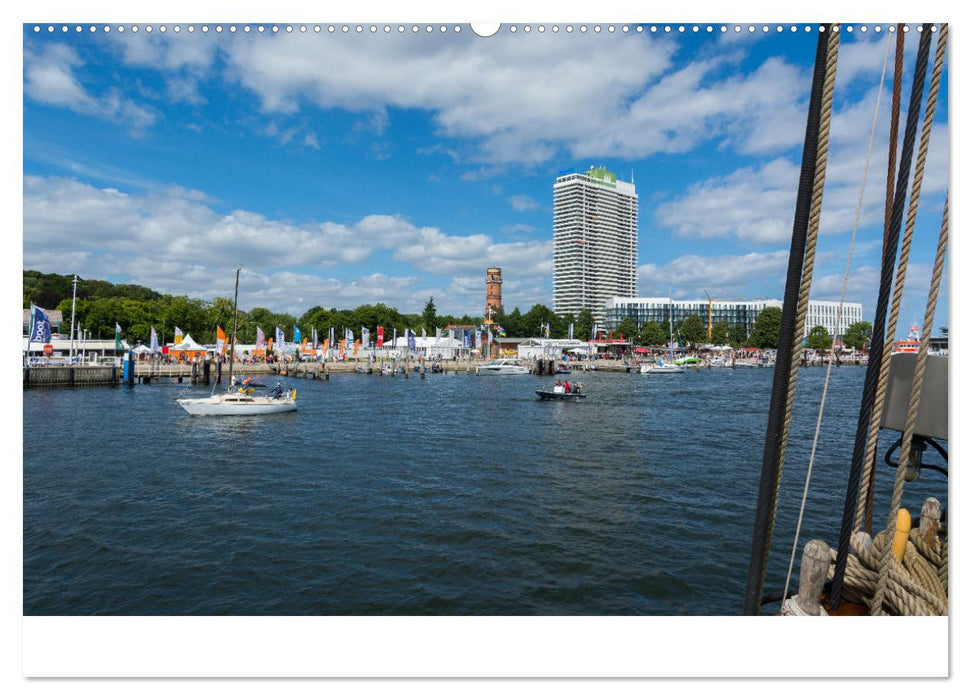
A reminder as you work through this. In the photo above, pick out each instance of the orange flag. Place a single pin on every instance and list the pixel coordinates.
(220, 340)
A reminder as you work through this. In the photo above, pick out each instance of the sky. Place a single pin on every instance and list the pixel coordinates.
(343, 168)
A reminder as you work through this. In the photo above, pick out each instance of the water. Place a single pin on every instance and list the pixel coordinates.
(457, 495)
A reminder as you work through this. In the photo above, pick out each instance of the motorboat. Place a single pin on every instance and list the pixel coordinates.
(503, 366)
(661, 367)
(560, 392)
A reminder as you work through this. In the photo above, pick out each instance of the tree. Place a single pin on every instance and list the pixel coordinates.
(693, 330)
(627, 328)
(765, 332)
(858, 335)
(652, 335)
(584, 325)
(719, 333)
(819, 338)
(737, 335)
(428, 317)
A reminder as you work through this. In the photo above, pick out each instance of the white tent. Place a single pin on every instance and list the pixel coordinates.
(187, 344)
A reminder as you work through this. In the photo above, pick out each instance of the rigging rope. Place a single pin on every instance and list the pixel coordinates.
(876, 606)
(905, 246)
(864, 509)
(879, 325)
(839, 318)
(768, 481)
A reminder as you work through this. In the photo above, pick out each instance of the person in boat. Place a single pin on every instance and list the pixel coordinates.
(277, 391)
(567, 387)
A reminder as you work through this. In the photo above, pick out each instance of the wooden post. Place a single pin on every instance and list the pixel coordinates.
(812, 576)
(930, 520)
(206, 371)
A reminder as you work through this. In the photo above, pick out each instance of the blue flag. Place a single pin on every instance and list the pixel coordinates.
(40, 331)
(466, 339)
(280, 340)
(411, 339)
(296, 335)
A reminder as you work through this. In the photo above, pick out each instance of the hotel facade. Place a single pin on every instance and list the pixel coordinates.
(735, 313)
(594, 241)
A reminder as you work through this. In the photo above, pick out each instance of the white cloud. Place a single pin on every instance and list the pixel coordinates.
(523, 202)
(49, 79)
(174, 241)
(729, 276)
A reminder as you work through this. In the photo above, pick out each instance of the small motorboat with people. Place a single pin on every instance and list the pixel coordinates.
(562, 369)
(562, 391)
(659, 366)
(502, 366)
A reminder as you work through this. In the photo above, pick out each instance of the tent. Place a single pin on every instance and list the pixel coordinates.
(188, 349)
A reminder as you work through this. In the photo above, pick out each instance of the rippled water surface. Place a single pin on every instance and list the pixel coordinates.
(456, 495)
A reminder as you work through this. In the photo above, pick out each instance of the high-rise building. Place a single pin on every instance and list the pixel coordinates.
(594, 241)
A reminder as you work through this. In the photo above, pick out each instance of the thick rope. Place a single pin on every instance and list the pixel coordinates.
(876, 349)
(914, 401)
(839, 320)
(768, 481)
(864, 510)
(905, 245)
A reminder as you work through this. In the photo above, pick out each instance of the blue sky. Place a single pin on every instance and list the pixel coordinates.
(347, 168)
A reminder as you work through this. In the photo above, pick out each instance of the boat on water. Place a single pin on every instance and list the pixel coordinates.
(503, 366)
(911, 344)
(687, 361)
(562, 369)
(241, 398)
(661, 367)
(562, 391)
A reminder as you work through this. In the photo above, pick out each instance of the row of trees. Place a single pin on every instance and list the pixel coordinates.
(100, 305)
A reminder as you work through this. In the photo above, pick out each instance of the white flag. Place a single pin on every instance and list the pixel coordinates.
(154, 341)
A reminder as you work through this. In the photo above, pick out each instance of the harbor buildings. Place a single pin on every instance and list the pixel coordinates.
(594, 241)
(733, 312)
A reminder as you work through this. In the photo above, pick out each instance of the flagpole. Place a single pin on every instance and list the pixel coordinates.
(74, 299)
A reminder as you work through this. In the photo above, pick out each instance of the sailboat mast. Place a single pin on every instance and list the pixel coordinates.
(232, 342)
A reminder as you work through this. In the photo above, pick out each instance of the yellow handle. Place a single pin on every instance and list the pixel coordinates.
(901, 534)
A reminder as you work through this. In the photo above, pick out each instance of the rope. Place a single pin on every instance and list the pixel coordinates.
(876, 349)
(915, 390)
(839, 318)
(769, 479)
(865, 498)
(906, 242)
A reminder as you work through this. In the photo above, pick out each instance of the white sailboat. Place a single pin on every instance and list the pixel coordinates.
(240, 400)
(659, 366)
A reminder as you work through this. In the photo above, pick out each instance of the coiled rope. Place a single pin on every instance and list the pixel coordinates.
(839, 320)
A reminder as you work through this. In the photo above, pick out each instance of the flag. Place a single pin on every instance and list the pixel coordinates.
(380, 342)
(40, 325)
(220, 340)
(357, 345)
(349, 336)
(117, 337)
(333, 339)
(365, 337)
(501, 331)
(280, 340)
(178, 334)
(296, 335)
(394, 339)
(490, 335)
(466, 339)
(315, 337)
(451, 334)
(546, 330)
(154, 342)
(424, 335)
(326, 346)
(260, 338)
(411, 339)
(478, 338)
(571, 331)
(343, 345)
(438, 334)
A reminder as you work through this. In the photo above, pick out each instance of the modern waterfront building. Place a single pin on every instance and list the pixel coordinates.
(594, 241)
(733, 312)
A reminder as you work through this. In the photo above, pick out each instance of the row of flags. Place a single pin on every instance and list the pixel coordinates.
(40, 331)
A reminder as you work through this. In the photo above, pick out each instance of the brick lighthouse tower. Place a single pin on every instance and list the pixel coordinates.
(493, 292)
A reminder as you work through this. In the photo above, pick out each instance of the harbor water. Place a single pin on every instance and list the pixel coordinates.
(453, 495)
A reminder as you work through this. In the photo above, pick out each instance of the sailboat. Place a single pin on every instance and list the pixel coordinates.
(659, 366)
(240, 400)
